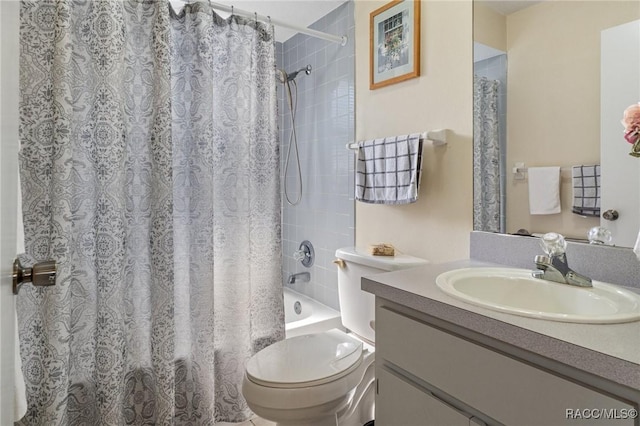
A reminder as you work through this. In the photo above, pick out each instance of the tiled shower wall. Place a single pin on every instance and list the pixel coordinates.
(324, 125)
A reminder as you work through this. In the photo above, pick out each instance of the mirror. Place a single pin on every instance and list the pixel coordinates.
(545, 109)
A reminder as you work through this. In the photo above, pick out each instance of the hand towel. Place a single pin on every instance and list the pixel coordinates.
(544, 190)
(388, 170)
(586, 190)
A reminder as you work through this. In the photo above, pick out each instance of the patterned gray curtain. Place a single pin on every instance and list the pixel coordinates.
(486, 157)
(150, 172)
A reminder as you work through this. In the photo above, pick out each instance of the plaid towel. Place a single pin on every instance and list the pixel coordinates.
(586, 190)
(388, 170)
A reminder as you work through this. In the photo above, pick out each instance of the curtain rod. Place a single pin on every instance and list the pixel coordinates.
(308, 31)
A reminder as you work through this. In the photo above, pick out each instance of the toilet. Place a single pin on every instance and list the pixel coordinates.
(327, 378)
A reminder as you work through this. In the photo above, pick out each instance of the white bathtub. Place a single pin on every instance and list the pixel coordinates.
(314, 317)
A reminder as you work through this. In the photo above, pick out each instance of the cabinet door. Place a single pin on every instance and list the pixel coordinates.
(400, 403)
(505, 389)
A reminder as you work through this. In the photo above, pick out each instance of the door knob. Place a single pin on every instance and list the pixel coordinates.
(41, 274)
(610, 215)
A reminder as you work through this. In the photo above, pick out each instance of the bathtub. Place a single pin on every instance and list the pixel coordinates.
(303, 315)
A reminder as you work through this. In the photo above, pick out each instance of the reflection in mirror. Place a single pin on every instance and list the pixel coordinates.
(489, 137)
(537, 101)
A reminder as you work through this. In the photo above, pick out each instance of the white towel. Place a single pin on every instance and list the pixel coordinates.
(388, 170)
(544, 190)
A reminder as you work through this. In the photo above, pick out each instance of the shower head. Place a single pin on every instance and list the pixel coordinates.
(283, 77)
(294, 74)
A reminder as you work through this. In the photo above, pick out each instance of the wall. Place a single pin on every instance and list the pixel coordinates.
(489, 27)
(9, 73)
(554, 99)
(437, 226)
(324, 125)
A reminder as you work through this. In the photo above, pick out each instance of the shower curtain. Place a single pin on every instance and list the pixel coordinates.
(487, 198)
(150, 172)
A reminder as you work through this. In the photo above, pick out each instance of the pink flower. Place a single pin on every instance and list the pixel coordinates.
(631, 136)
(631, 123)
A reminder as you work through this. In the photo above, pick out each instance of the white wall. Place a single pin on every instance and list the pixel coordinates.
(489, 27)
(437, 226)
(9, 52)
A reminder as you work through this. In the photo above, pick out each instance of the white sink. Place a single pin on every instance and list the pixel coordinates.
(515, 291)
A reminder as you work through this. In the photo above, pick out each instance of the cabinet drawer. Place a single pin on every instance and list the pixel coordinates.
(510, 391)
(402, 404)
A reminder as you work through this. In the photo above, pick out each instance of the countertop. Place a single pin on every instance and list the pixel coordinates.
(607, 351)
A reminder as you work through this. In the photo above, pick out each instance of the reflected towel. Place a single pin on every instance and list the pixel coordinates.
(388, 170)
(586, 190)
(544, 190)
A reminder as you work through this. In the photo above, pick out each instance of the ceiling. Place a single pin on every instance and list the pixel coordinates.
(507, 7)
(298, 12)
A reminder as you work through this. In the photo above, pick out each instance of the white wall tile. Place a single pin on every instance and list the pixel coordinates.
(324, 124)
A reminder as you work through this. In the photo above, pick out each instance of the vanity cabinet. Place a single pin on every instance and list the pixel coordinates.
(427, 375)
(402, 402)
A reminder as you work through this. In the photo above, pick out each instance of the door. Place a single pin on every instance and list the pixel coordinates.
(619, 88)
(9, 53)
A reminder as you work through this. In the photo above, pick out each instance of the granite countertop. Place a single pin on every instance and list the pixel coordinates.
(608, 351)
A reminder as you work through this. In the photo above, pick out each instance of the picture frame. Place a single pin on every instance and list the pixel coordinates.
(394, 43)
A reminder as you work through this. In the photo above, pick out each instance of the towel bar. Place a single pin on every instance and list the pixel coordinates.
(438, 137)
(519, 170)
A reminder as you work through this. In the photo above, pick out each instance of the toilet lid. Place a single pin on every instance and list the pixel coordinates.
(308, 360)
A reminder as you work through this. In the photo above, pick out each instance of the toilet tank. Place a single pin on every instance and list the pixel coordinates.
(357, 307)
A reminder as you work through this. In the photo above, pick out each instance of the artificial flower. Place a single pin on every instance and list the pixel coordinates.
(631, 123)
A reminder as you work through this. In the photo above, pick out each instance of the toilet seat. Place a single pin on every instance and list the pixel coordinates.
(305, 361)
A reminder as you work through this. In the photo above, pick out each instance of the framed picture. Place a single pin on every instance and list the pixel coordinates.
(395, 43)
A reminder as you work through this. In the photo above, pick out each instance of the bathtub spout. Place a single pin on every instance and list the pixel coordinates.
(304, 277)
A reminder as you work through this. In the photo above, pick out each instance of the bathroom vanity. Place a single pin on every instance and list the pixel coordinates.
(440, 361)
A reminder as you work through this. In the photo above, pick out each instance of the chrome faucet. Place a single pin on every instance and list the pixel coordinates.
(554, 266)
(305, 277)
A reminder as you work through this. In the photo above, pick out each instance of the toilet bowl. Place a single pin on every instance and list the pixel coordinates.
(326, 378)
(309, 380)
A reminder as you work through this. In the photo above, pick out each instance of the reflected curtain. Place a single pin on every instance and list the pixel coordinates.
(150, 172)
(486, 157)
